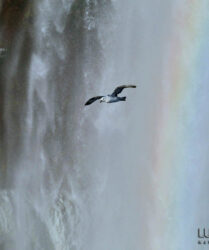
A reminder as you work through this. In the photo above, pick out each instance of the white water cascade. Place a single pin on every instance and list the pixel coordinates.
(79, 177)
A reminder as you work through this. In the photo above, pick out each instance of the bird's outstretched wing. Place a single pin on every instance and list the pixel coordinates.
(93, 99)
(119, 89)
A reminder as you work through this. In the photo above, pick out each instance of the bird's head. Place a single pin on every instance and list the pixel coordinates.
(102, 99)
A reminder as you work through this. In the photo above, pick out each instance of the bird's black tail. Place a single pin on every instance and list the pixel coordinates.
(123, 98)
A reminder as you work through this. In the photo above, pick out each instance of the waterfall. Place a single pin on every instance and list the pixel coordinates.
(105, 176)
(51, 66)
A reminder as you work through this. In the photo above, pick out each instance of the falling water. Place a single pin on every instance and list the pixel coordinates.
(76, 177)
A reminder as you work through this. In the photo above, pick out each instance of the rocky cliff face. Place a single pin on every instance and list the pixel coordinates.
(16, 22)
(13, 15)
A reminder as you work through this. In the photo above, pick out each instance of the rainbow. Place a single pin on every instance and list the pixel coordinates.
(182, 143)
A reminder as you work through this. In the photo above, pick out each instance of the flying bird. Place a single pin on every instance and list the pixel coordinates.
(111, 98)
